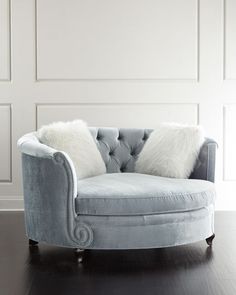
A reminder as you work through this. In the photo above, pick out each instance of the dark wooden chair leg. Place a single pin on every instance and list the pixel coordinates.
(210, 240)
(80, 254)
(32, 242)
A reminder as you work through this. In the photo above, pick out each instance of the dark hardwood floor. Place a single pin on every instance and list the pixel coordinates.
(192, 269)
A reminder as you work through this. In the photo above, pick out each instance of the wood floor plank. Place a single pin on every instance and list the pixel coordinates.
(191, 269)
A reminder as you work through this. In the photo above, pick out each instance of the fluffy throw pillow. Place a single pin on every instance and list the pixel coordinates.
(75, 139)
(171, 151)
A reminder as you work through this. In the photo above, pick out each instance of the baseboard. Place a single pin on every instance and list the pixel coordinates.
(11, 204)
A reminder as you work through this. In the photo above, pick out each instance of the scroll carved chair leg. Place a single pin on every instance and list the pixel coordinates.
(79, 253)
(33, 243)
(210, 240)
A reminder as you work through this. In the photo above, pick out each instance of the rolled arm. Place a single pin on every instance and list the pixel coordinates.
(205, 165)
(50, 187)
(30, 145)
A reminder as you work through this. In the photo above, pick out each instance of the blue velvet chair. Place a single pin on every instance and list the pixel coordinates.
(120, 209)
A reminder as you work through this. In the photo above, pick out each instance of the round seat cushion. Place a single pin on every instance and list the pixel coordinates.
(141, 194)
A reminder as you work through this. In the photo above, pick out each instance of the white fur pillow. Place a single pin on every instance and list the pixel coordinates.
(75, 139)
(171, 151)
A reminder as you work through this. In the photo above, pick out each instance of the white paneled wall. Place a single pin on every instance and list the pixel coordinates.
(5, 40)
(230, 40)
(112, 39)
(5, 135)
(120, 115)
(127, 63)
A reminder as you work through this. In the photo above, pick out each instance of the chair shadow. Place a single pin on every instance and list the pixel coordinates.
(56, 260)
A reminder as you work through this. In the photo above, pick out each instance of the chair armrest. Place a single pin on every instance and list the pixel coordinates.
(50, 187)
(205, 164)
(30, 145)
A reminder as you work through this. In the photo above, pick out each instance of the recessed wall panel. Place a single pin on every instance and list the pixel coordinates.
(4, 40)
(5, 135)
(119, 115)
(230, 39)
(110, 39)
(229, 142)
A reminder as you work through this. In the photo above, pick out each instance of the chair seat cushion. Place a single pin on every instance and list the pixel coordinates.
(138, 194)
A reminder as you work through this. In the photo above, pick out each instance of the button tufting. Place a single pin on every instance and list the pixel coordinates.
(119, 149)
(145, 137)
(122, 169)
(132, 153)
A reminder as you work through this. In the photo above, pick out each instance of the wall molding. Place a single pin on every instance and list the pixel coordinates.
(9, 78)
(224, 40)
(226, 179)
(224, 43)
(195, 80)
(2, 181)
(37, 105)
(223, 141)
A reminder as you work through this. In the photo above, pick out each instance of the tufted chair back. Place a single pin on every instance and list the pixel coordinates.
(119, 147)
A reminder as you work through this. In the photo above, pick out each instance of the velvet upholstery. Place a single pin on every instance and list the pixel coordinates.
(150, 231)
(141, 194)
(50, 194)
(120, 148)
